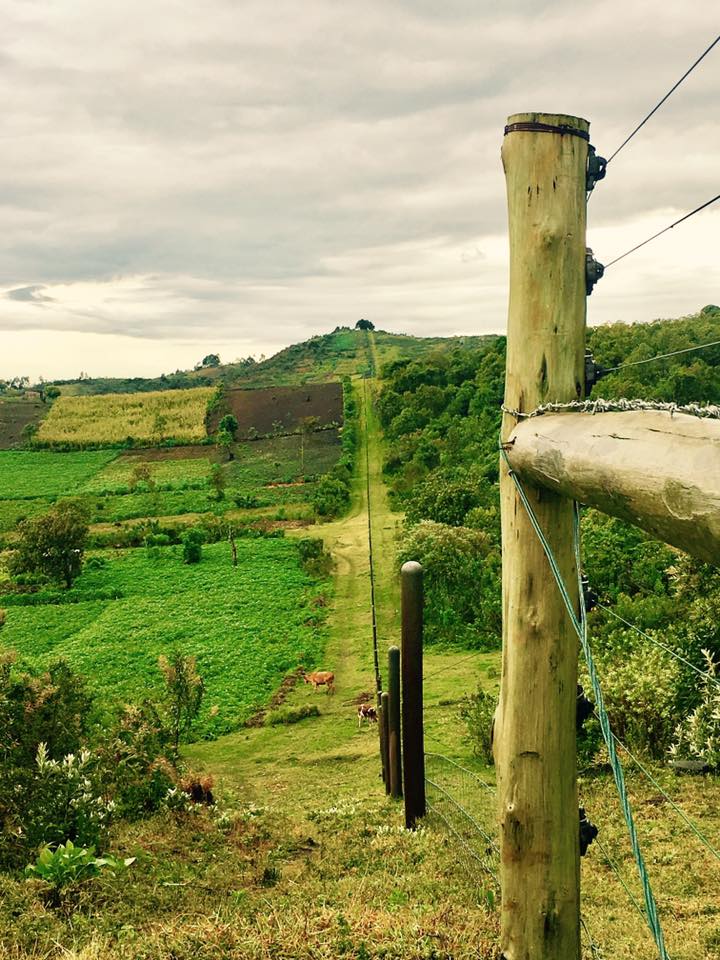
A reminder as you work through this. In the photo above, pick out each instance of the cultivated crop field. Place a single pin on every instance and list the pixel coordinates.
(248, 625)
(26, 473)
(265, 474)
(117, 477)
(284, 459)
(110, 419)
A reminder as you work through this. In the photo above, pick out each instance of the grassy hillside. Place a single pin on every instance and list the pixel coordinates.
(343, 352)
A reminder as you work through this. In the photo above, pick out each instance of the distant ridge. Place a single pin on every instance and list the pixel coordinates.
(330, 356)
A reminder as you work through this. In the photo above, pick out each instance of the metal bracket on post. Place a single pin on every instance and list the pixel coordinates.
(594, 270)
(593, 372)
(596, 169)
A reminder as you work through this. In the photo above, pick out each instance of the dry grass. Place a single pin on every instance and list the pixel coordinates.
(339, 883)
(113, 418)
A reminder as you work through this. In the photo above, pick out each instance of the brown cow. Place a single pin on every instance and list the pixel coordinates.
(321, 678)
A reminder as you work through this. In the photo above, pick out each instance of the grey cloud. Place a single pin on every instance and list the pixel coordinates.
(248, 156)
(31, 294)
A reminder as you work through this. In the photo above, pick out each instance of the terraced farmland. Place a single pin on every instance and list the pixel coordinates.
(247, 625)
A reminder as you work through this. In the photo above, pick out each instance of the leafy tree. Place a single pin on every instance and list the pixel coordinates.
(224, 443)
(229, 423)
(184, 689)
(211, 360)
(218, 480)
(141, 473)
(192, 543)
(307, 427)
(364, 325)
(50, 393)
(53, 544)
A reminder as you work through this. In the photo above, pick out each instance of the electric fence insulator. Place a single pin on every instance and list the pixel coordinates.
(588, 832)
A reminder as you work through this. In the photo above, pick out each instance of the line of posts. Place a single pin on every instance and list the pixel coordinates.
(402, 748)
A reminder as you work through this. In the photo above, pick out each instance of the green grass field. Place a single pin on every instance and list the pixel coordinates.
(247, 625)
(118, 474)
(25, 473)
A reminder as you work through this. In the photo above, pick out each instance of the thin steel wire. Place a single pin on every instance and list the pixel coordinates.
(376, 656)
(662, 356)
(616, 870)
(466, 813)
(470, 773)
(658, 643)
(661, 232)
(661, 102)
(681, 813)
(473, 853)
(456, 663)
(594, 948)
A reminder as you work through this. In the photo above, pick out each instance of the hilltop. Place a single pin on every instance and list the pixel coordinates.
(330, 356)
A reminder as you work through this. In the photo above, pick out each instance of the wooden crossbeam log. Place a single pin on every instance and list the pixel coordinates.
(658, 470)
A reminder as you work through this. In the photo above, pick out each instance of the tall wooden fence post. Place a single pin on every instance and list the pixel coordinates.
(545, 157)
(394, 749)
(411, 580)
(384, 731)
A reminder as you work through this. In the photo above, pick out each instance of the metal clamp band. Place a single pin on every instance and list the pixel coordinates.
(546, 128)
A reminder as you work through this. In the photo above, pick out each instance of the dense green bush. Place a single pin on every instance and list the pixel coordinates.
(192, 542)
(286, 715)
(478, 712)
(461, 573)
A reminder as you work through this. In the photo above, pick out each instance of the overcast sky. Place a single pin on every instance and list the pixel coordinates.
(179, 177)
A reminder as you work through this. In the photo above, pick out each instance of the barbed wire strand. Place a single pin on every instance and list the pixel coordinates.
(698, 833)
(661, 232)
(661, 102)
(658, 643)
(707, 411)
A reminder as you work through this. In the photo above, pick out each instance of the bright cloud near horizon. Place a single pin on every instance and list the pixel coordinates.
(233, 176)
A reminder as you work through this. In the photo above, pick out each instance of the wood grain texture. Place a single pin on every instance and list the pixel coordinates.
(656, 470)
(535, 736)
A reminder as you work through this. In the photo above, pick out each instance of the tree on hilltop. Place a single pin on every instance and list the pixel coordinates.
(364, 325)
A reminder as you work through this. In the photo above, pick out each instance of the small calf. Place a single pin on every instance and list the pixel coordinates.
(366, 711)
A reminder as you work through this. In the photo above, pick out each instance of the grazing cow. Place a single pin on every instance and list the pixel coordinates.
(321, 678)
(366, 711)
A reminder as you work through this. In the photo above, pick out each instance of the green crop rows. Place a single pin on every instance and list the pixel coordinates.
(25, 474)
(247, 625)
(117, 476)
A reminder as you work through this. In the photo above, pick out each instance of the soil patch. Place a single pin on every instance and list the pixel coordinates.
(194, 451)
(15, 416)
(277, 699)
(280, 409)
